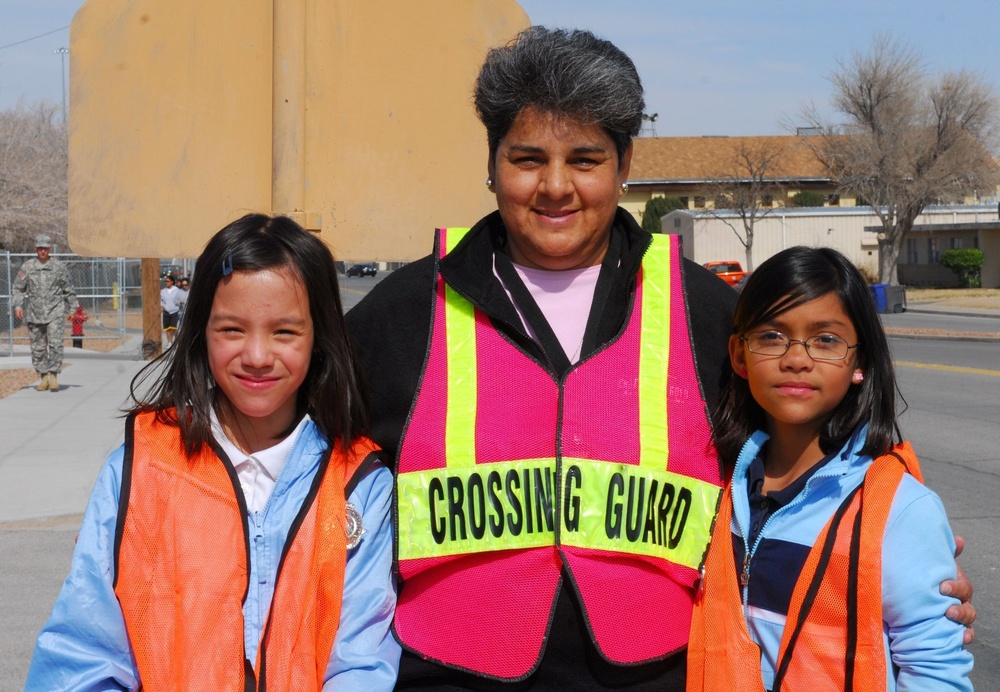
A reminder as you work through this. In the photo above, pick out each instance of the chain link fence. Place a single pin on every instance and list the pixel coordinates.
(108, 288)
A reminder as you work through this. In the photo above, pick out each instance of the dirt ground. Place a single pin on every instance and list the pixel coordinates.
(95, 338)
(14, 380)
(983, 298)
(96, 335)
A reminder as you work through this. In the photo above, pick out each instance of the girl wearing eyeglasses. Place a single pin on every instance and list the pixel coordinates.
(828, 551)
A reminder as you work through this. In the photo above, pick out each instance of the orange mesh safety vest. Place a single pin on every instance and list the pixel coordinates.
(505, 475)
(182, 565)
(833, 636)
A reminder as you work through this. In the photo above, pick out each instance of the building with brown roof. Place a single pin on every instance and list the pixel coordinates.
(690, 167)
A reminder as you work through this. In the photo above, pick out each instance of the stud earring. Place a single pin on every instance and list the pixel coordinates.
(858, 377)
(624, 187)
(489, 183)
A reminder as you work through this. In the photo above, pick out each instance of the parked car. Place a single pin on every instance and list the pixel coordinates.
(742, 282)
(729, 271)
(362, 270)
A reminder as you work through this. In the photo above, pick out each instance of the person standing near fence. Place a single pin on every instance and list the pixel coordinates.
(184, 285)
(42, 296)
(170, 303)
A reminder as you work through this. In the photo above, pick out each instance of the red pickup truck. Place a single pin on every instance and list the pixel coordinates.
(729, 271)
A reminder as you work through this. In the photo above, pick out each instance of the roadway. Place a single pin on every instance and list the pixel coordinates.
(952, 394)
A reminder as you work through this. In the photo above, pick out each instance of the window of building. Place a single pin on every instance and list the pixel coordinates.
(911, 251)
(833, 200)
(956, 243)
(767, 201)
(933, 254)
(699, 202)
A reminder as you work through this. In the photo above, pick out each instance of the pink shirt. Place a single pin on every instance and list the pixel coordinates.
(564, 297)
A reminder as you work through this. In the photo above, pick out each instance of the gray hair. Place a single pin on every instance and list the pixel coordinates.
(569, 73)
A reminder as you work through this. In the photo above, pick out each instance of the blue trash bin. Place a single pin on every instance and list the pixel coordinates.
(878, 291)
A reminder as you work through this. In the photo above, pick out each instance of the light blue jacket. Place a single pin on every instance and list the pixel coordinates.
(923, 648)
(84, 645)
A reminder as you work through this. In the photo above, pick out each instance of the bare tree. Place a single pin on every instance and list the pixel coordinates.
(910, 140)
(33, 177)
(747, 187)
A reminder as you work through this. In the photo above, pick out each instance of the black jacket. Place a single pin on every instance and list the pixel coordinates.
(390, 329)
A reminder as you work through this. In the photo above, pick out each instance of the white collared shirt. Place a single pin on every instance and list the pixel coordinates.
(258, 472)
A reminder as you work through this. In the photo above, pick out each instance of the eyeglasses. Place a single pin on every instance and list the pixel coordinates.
(820, 347)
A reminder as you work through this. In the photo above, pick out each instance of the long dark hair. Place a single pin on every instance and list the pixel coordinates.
(789, 279)
(332, 393)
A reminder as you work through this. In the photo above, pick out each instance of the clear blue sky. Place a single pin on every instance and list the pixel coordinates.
(710, 67)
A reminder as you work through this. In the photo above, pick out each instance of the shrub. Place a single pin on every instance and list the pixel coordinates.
(808, 198)
(967, 263)
(656, 208)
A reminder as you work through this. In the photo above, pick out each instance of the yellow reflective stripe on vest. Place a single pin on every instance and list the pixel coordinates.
(460, 336)
(654, 353)
(653, 358)
(461, 510)
(511, 505)
(639, 510)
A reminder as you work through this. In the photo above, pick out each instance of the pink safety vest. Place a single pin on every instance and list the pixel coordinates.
(505, 475)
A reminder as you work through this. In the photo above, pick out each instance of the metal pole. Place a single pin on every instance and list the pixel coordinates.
(10, 300)
(62, 56)
(123, 294)
(288, 184)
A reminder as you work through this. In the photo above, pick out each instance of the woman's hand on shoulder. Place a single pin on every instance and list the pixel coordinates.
(961, 588)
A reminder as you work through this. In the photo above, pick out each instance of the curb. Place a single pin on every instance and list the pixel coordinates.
(989, 315)
(943, 337)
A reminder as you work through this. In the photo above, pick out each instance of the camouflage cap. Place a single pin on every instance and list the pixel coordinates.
(43, 241)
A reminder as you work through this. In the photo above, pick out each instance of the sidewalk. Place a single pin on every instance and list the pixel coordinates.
(53, 443)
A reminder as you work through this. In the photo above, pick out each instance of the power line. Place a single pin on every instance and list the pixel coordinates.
(47, 33)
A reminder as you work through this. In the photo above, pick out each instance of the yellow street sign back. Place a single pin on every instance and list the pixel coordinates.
(353, 116)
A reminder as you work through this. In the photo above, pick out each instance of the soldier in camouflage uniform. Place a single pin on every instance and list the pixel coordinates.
(44, 282)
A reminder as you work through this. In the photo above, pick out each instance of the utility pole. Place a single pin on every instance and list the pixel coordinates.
(63, 52)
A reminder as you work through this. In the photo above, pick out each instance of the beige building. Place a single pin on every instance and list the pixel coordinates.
(709, 236)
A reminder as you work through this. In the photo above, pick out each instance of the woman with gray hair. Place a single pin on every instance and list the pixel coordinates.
(541, 381)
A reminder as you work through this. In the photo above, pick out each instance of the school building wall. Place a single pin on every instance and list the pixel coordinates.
(990, 245)
(853, 231)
